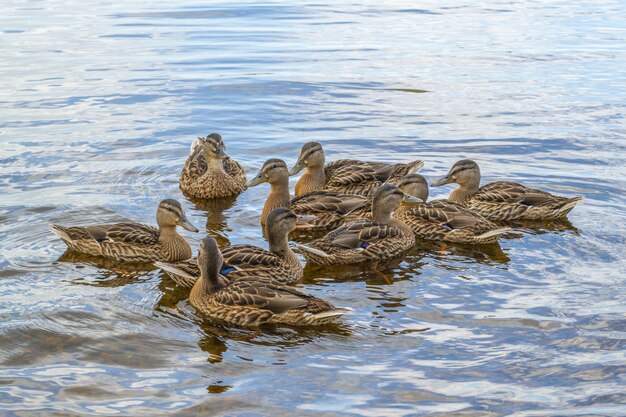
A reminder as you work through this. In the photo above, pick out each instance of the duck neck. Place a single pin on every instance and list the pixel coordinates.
(381, 214)
(214, 164)
(464, 192)
(209, 279)
(278, 197)
(167, 234)
(279, 245)
(467, 187)
(312, 180)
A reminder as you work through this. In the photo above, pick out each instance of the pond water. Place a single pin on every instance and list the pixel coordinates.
(100, 101)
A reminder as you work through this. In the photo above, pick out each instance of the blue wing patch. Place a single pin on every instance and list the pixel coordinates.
(227, 269)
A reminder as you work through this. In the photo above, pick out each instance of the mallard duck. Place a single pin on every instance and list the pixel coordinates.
(361, 240)
(345, 175)
(133, 242)
(245, 260)
(253, 301)
(319, 210)
(209, 172)
(503, 200)
(442, 219)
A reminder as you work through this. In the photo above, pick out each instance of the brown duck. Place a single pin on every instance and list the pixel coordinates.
(345, 175)
(133, 242)
(381, 238)
(318, 210)
(246, 260)
(253, 301)
(209, 172)
(503, 200)
(442, 219)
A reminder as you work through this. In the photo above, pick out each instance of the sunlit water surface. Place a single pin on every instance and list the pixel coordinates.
(100, 101)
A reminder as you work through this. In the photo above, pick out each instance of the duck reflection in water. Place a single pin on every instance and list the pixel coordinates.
(112, 273)
(268, 335)
(378, 272)
(484, 254)
(217, 336)
(216, 219)
(539, 227)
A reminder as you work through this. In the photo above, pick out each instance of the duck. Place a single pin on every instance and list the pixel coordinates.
(253, 301)
(503, 200)
(133, 242)
(246, 260)
(345, 175)
(380, 238)
(318, 210)
(209, 172)
(442, 219)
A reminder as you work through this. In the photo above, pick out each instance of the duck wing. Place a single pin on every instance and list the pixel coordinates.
(361, 234)
(353, 174)
(248, 256)
(196, 165)
(232, 167)
(447, 213)
(382, 171)
(262, 293)
(331, 167)
(131, 233)
(327, 201)
(186, 273)
(512, 192)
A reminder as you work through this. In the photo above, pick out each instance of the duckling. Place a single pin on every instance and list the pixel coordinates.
(319, 210)
(133, 242)
(253, 301)
(345, 175)
(361, 240)
(442, 219)
(209, 172)
(245, 260)
(503, 200)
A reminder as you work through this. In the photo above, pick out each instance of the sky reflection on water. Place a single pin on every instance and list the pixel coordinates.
(99, 103)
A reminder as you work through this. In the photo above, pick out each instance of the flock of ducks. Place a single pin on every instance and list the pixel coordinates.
(371, 211)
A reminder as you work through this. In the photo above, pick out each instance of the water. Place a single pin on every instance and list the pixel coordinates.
(99, 102)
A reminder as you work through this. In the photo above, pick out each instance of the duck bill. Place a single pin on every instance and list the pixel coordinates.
(409, 200)
(255, 181)
(446, 179)
(299, 166)
(186, 224)
(221, 153)
(304, 222)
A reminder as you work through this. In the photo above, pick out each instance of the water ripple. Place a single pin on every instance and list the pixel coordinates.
(100, 102)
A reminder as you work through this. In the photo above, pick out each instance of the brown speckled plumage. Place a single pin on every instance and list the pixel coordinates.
(381, 238)
(442, 219)
(324, 210)
(253, 301)
(133, 242)
(209, 173)
(503, 200)
(329, 209)
(450, 222)
(279, 262)
(345, 175)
